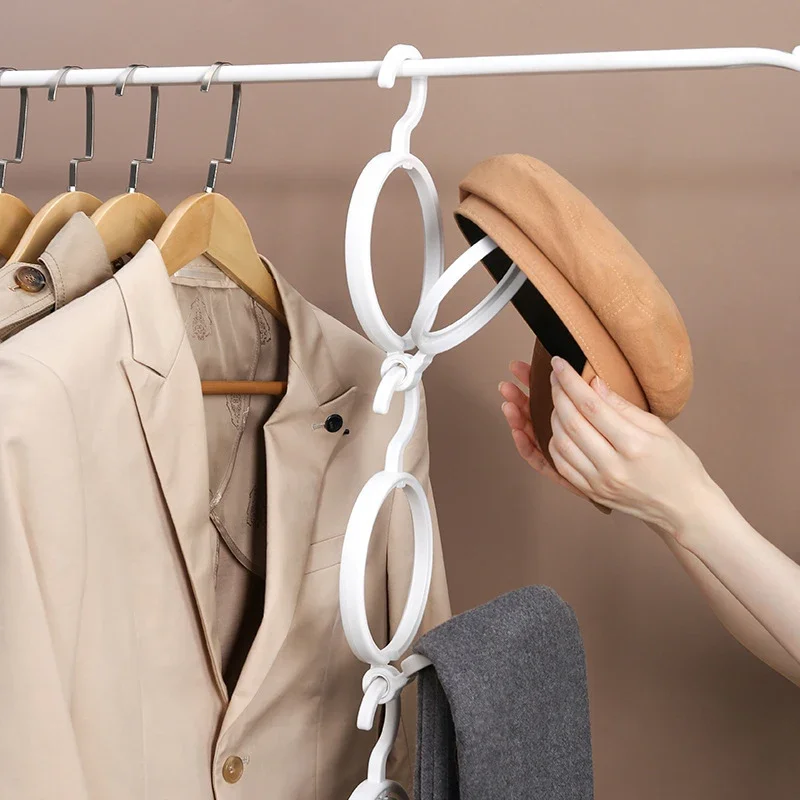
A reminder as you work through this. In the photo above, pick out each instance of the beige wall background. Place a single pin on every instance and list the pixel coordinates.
(700, 170)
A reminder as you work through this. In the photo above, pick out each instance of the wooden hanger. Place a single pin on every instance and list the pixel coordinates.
(210, 224)
(127, 221)
(15, 216)
(52, 217)
(49, 220)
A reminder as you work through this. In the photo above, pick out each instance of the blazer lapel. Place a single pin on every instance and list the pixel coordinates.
(298, 452)
(165, 384)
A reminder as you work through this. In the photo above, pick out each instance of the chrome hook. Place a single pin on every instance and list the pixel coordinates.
(152, 127)
(22, 130)
(387, 75)
(233, 125)
(51, 96)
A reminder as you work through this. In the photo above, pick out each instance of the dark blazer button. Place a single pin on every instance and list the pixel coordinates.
(30, 279)
(334, 423)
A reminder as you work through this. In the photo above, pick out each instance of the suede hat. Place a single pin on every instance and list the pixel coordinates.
(589, 298)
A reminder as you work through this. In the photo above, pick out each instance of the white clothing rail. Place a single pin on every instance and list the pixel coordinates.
(630, 60)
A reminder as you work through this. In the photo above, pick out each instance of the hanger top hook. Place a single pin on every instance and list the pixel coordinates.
(89, 152)
(152, 128)
(233, 125)
(211, 73)
(387, 75)
(56, 81)
(124, 77)
(22, 129)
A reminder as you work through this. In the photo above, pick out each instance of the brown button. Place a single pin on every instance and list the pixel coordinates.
(30, 279)
(232, 769)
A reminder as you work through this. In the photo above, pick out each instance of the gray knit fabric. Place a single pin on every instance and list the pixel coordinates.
(504, 711)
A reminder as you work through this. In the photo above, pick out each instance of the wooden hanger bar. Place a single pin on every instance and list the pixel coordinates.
(244, 387)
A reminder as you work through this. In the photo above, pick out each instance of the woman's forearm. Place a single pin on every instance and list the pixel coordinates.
(741, 624)
(627, 459)
(765, 581)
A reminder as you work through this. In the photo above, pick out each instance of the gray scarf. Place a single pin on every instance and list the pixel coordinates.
(504, 710)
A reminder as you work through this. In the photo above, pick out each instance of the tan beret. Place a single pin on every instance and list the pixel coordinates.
(590, 297)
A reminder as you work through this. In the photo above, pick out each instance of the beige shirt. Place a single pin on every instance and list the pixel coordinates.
(73, 263)
(234, 338)
(124, 604)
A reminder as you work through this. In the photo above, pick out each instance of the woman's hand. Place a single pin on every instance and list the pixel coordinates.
(609, 450)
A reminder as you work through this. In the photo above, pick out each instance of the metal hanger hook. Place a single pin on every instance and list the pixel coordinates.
(401, 135)
(89, 153)
(22, 130)
(152, 128)
(233, 125)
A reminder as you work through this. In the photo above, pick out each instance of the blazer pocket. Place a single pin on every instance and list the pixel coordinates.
(326, 553)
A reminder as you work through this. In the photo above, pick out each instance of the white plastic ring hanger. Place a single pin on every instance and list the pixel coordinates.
(401, 372)
(358, 236)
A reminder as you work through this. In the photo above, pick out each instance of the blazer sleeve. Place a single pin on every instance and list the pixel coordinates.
(399, 563)
(42, 553)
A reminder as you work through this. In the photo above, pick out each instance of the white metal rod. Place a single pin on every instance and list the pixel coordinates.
(702, 58)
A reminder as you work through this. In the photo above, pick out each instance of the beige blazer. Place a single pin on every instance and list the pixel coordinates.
(111, 685)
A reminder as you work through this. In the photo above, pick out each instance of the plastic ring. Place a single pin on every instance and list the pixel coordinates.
(353, 568)
(433, 342)
(358, 243)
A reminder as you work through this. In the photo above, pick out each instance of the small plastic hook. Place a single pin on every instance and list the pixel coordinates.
(22, 129)
(89, 155)
(387, 75)
(400, 372)
(382, 685)
(233, 125)
(383, 682)
(152, 129)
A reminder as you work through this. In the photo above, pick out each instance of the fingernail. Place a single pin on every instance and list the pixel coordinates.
(599, 385)
(558, 364)
(500, 386)
(504, 406)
